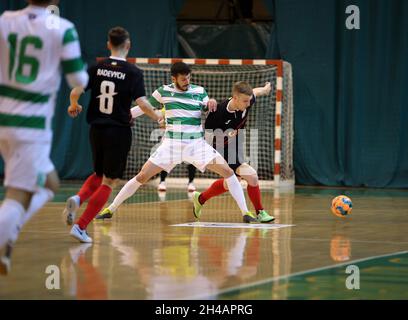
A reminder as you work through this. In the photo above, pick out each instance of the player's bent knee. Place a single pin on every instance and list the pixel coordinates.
(21, 196)
(228, 172)
(53, 182)
(110, 182)
(246, 170)
(141, 177)
(252, 180)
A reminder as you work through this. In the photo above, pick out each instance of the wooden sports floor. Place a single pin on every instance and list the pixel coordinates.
(310, 253)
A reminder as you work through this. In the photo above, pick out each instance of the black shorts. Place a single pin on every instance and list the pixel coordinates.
(233, 155)
(110, 148)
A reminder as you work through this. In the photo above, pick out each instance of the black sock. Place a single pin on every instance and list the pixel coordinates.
(163, 176)
(191, 173)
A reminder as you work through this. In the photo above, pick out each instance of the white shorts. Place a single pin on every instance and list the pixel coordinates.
(172, 152)
(27, 164)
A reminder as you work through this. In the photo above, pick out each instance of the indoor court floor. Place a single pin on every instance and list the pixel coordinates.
(142, 253)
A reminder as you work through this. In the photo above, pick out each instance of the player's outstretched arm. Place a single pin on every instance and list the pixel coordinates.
(136, 111)
(263, 91)
(147, 108)
(75, 108)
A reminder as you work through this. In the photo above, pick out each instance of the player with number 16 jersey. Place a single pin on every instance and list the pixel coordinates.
(36, 45)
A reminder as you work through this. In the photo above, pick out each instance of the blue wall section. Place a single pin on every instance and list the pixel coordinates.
(351, 102)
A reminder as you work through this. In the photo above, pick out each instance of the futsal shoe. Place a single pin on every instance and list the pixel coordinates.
(264, 217)
(197, 206)
(105, 214)
(5, 259)
(79, 234)
(191, 187)
(249, 218)
(162, 186)
(70, 210)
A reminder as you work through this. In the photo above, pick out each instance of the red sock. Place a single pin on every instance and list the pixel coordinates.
(215, 189)
(95, 204)
(88, 188)
(255, 195)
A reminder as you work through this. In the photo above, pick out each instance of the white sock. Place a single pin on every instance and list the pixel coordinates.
(236, 191)
(38, 200)
(127, 191)
(11, 212)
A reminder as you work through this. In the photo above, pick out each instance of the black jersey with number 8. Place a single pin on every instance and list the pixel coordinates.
(114, 84)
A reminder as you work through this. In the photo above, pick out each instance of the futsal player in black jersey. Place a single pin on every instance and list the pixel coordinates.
(226, 122)
(114, 84)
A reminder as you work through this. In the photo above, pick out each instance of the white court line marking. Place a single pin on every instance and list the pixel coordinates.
(272, 279)
(232, 225)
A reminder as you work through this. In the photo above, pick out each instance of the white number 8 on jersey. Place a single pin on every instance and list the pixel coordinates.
(106, 97)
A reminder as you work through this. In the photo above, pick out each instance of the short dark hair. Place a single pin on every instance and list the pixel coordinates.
(242, 87)
(39, 2)
(179, 68)
(117, 36)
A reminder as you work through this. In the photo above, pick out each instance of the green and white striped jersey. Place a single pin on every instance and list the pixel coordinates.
(34, 47)
(183, 110)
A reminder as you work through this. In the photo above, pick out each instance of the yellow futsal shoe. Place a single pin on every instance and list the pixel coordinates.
(249, 218)
(105, 214)
(197, 206)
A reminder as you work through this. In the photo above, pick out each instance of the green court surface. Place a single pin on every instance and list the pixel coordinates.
(384, 278)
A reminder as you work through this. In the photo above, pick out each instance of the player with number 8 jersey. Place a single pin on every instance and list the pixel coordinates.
(114, 84)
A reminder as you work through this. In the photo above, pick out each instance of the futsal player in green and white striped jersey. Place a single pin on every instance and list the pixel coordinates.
(35, 45)
(184, 140)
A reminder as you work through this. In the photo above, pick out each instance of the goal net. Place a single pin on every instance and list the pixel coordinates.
(268, 136)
